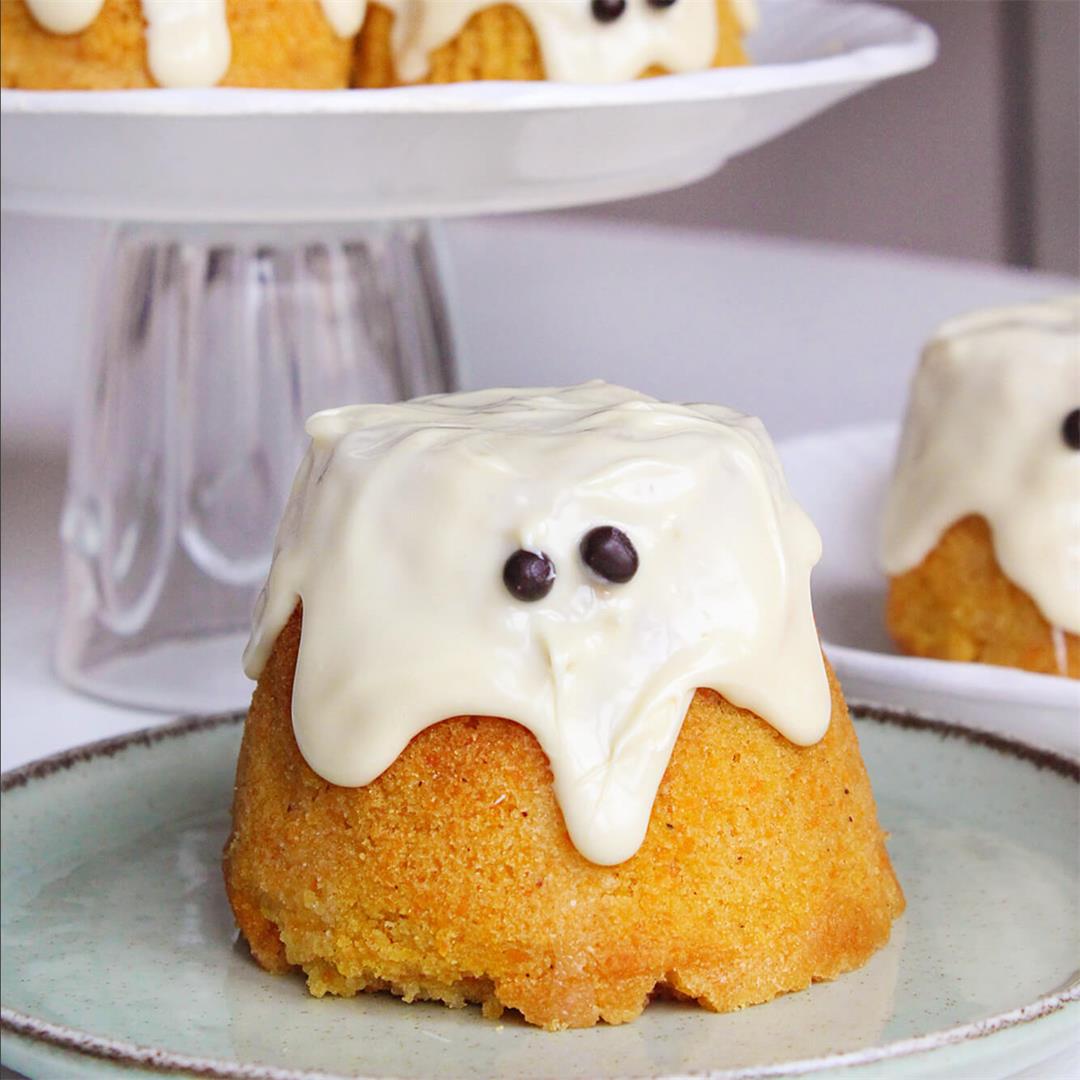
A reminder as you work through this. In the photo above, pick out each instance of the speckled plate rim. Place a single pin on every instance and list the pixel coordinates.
(119, 1052)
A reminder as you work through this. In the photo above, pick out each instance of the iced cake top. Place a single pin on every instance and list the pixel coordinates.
(993, 429)
(577, 560)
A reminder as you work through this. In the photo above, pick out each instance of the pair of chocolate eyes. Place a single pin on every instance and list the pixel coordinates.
(605, 11)
(608, 552)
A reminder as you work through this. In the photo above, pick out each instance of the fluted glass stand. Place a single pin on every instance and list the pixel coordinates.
(210, 351)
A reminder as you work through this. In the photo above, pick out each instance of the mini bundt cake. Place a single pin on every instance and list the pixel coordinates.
(542, 720)
(579, 41)
(981, 536)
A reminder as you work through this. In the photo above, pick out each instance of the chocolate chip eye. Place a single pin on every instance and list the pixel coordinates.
(608, 553)
(660, 3)
(605, 11)
(1070, 430)
(528, 575)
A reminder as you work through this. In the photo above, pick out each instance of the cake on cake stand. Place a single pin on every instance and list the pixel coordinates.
(269, 256)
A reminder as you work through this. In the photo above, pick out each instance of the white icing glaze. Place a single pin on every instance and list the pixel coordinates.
(396, 532)
(345, 16)
(983, 435)
(575, 47)
(65, 16)
(187, 41)
(1061, 649)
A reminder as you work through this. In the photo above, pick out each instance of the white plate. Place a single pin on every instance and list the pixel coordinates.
(120, 956)
(840, 477)
(266, 155)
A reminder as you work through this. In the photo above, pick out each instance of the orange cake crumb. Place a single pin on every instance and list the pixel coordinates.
(957, 604)
(452, 877)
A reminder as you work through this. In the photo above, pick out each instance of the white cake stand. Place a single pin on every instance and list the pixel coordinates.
(266, 261)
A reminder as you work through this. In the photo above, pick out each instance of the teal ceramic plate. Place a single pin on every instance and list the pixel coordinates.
(119, 953)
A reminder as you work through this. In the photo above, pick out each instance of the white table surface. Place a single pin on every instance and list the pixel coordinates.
(805, 336)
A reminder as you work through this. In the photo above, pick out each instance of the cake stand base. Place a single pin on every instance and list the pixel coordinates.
(210, 351)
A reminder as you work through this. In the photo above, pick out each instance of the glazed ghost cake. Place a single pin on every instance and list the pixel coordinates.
(981, 535)
(542, 720)
(583, 41)
(331, 44)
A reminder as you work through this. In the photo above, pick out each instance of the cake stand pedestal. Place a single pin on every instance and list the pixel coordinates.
(211, 350)
(219, 328)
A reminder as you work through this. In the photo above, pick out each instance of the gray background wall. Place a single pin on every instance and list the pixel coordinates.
(976, 157)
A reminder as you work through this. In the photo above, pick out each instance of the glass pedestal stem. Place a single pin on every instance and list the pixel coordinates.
(209, 353)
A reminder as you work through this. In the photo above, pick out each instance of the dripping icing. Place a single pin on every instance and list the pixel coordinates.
(187, 42)
(394, 539)
(982, 436)
(1061, 649)
(345, 16)
(65, 16)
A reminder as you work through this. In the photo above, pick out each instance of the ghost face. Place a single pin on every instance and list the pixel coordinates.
(583, 586)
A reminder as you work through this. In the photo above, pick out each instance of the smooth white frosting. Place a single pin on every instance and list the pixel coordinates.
(395, 536)
(188, 41)
(65, 16)
(983, 435)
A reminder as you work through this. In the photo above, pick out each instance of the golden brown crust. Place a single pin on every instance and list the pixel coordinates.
(496, 43)
(452, 876)
(275, 43)
(957, 604)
